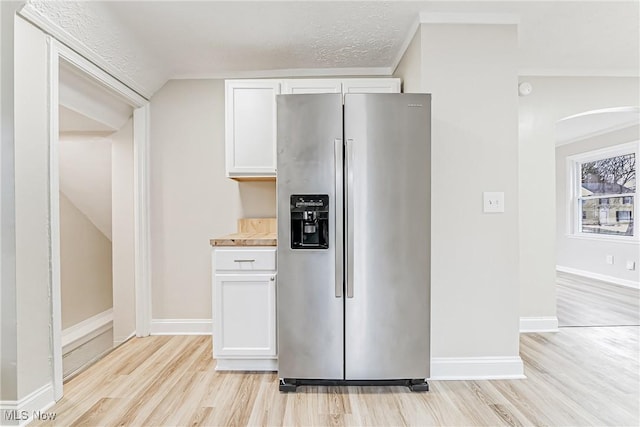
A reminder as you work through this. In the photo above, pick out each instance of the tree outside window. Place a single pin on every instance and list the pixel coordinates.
(607, 195)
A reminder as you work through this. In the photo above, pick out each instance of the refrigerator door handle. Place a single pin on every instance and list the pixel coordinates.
(339, 228)
(349, 213)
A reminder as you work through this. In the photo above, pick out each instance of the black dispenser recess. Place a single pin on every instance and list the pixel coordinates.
(309, 221)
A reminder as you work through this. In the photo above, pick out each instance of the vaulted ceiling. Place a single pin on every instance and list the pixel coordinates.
(149, 42)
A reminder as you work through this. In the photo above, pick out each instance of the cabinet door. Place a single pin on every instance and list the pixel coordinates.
(244, 315)
(250, 128)
(304, 86)
(381, 85)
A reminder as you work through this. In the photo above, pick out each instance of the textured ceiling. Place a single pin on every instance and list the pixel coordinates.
(224, 37)
(92, 24)
(150, 42)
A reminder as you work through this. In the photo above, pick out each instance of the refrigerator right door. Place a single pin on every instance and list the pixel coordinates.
(388, 238)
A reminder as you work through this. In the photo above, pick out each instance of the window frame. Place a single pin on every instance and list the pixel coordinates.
(574, 211)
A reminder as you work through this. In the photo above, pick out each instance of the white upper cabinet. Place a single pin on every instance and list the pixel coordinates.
(371, 86)
(302, 86)
(250, 128)
(251, 121)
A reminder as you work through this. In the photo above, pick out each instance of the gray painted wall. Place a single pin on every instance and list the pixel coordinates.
(191, 200)
(470, 70)
(474, 282)
(85, 266)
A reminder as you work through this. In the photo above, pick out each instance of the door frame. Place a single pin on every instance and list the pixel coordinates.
(141, 118)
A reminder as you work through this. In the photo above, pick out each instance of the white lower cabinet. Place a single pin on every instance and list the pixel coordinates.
(244, 306)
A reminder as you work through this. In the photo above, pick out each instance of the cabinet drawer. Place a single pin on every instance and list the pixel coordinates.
(244, 259)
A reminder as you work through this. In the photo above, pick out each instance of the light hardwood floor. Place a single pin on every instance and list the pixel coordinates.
(589, 302)
(579, 376)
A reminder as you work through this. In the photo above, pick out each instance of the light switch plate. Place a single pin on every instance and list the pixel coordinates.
(493, 201)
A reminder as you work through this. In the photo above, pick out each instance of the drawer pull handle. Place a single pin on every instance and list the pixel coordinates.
(244, 260)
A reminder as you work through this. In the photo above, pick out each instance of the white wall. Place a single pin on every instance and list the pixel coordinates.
(474, 281)
(124, 320)
(471, 72)
(410, 67)
(8, 313)
(85, 176)
(85, 266)
(31, 209)
(552, 99)
(191, 200)
(588, 255)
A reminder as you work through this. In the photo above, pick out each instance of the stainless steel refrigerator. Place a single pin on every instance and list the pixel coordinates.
(353, 260)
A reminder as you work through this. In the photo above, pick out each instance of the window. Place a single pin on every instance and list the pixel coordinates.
(604, 191)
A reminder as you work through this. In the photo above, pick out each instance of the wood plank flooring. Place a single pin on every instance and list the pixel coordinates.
(576, 377)
(579, 376)
(588, 302)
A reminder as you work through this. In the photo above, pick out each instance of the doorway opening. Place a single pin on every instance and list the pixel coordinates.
(98, 213)
(95, 158)
(597, 235)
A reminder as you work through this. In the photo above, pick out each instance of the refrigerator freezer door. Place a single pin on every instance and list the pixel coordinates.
(310, 308)
(387, 319)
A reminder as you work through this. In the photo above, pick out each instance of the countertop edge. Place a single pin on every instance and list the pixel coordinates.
(245, 239)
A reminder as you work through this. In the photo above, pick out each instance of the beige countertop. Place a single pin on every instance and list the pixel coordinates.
(251, 232)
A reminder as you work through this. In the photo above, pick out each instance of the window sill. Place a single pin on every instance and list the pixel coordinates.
(604, 238)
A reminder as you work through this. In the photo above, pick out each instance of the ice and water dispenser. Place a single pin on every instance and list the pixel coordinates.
(309, 221)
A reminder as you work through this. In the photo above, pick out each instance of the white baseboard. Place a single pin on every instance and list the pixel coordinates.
(538, 324)
(121, 340)
(476, 368)
(83, 356)
(83, 332)
(246, 364)
(181, 326)
(29, 408)
(588, 274)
